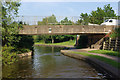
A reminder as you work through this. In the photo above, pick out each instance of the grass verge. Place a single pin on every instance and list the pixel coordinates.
(107, 52)
(104, 59)
(67, 43)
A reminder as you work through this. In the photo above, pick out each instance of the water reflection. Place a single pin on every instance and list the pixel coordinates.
(48, 62)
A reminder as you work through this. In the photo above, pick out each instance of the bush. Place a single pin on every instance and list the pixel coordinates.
(23, 50)
(25, 43)
(115, 33)
(8, 57)
(9, 53)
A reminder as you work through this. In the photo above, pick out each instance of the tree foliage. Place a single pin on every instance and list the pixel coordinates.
(12, 42)
(97, 16)
(115, 33)
(84, 18)
(9, 30)
(65, 21)
(109, 12)
(48, 20)
(9, 27)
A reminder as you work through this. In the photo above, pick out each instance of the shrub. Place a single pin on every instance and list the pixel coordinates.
(8, 57)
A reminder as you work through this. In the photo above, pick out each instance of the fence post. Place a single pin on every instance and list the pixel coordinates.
(116, 42)
(109, 43)
(104, 45)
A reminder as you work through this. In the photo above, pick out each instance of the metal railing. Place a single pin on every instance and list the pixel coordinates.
(47, 20)
(61, 20)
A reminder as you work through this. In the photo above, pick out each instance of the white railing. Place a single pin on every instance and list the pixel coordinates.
(33, 20)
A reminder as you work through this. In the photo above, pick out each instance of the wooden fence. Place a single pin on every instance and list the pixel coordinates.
(111, 44)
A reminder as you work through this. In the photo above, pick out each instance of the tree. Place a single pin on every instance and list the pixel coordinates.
(9, 28)
(52, 19)
(79, 22)
(109, 12)
(48, 20)
(97, 17)
(84, 19)
(65, 21)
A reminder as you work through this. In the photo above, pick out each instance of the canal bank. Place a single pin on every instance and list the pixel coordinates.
(84, 56)
(52, 45)
(27, 54)
(67, 44)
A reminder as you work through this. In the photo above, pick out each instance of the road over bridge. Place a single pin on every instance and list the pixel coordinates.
(64, 29)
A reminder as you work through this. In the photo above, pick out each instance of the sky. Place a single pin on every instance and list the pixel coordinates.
(36, 10)
(61, 8)
(70, 0)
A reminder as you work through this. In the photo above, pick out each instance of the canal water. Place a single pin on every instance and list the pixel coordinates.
(48, 62)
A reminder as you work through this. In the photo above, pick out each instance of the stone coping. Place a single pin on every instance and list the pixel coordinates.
(25, 54)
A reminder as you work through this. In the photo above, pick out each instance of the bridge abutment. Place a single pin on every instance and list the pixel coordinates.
(93, 41)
